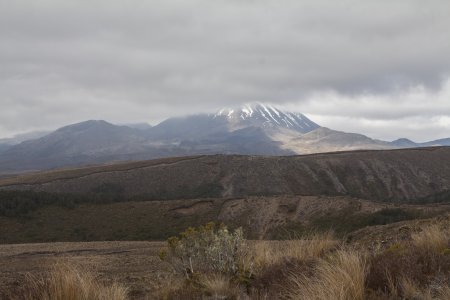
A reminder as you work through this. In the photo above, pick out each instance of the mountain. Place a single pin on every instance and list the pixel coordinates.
(404, 143)
(228, 120)
(251, 129)
(81, 143)
(265, 116)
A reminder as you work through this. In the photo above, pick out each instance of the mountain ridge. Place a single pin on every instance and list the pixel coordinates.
(251, 129)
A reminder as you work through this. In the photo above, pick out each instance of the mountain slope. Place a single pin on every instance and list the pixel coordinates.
(392, 175)
(326, 140)
(4, 147)
(188, 128)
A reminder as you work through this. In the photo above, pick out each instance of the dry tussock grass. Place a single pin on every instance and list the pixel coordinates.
(268, 253)
(411, 290)
(419, 269)
(341, 277)
(69, 282)
(314, 268)
(166, 286)
(216, 284)
(431, 238)
(444, 292)
(205, 286)
(220, 286)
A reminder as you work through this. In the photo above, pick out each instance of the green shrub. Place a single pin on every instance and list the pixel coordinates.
(210, 249)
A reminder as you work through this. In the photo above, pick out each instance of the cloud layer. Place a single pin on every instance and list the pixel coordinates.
(378, 67)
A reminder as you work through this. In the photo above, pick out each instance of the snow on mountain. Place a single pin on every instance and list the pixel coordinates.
(266, 116)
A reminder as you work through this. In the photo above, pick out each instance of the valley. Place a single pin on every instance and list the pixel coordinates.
(153, 200)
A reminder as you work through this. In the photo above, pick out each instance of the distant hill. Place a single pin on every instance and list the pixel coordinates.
(19, 138)
(254, 129)
(7, 143)
(391, 175)
(441, 142)
(140, 126)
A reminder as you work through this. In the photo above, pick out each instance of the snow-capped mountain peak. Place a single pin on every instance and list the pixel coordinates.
(265, 115)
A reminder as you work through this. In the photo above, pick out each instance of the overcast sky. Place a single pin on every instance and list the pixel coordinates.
(380, 68)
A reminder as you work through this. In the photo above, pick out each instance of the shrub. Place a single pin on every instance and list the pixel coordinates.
(210, 249)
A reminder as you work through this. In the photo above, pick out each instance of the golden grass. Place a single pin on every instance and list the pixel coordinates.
(167, 285)
(209, 285)
(267, 253)
(431, 238)
(216, 284)
(219, 286)
(410, 290)
(340, 277)
(68, 282)
(443, 292)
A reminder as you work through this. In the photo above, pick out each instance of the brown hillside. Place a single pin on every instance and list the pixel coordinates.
(380, 175)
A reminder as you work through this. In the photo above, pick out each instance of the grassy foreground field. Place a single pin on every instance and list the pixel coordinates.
(133, 264)
(404, 260)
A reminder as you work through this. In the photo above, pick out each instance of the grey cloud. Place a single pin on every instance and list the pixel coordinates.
(148, 60)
